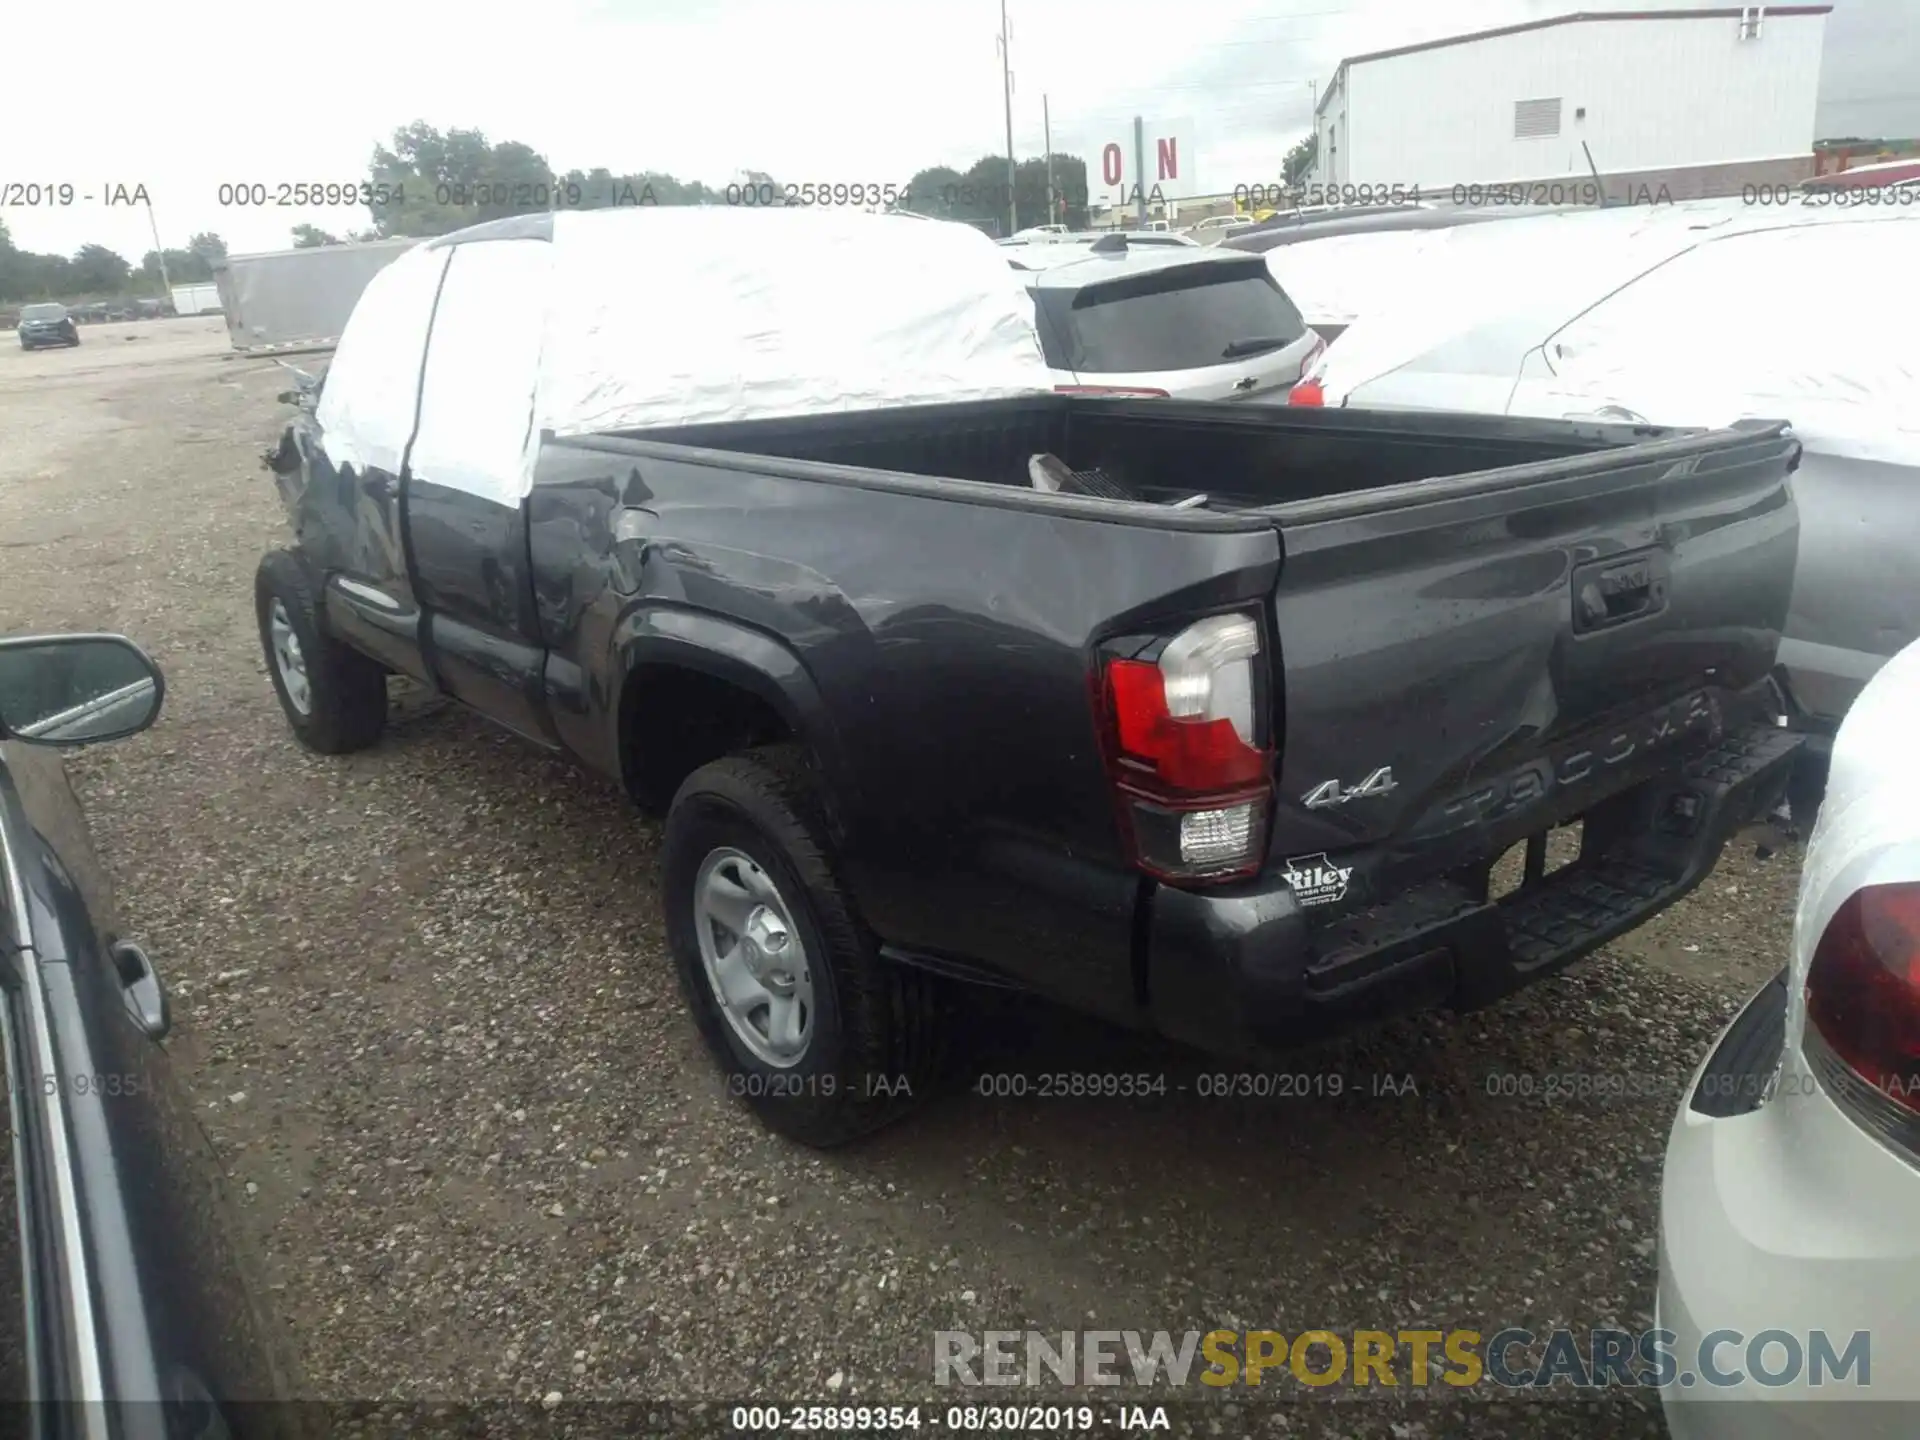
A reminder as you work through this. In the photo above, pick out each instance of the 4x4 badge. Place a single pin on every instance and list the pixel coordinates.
(1328, 792)
(1316, 880)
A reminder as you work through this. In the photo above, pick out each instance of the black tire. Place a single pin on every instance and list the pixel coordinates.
(347, 692)
(1806, 788)
(875, 1047)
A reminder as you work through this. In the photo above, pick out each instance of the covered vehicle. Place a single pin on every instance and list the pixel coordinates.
(1650, 316)
(47, 323)
(1208, 719)
(1340, 264)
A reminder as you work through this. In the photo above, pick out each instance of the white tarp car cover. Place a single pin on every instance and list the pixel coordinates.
(675, 315)
(1337, 279)
(1704, 343)
(369, 399)
(1472, 275)
(1698, 341)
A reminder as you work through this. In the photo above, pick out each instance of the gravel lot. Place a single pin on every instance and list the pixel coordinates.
(423, 1003)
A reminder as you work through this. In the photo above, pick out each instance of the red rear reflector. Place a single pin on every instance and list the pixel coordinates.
(1192, 755)
(1863, 989)
(1307, 392)
(1111, 390)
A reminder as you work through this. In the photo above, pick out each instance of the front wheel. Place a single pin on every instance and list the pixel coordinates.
(334, 697)
(824, 1039)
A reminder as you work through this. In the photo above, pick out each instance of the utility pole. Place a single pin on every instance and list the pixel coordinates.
(1140, 170)
(1006, 92)
(1046, 130)
(1314, 91)
(160, 254)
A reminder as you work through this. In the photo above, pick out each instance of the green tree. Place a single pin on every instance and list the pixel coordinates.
(428, 183)
(933, 191)
(98, 269)
(208, 246)
(978, 195)
(1297, 167)
(183, 267)
(599, 188)
(308, 237)
(1069, 191)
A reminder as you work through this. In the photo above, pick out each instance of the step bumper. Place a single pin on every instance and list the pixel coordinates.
(1249, 973)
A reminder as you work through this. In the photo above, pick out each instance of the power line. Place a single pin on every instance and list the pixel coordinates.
(1232, 87)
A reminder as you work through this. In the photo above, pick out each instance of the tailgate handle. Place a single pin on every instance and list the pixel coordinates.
(1613, 593)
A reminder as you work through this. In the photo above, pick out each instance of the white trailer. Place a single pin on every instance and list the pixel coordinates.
(298, 299)
(202, 299)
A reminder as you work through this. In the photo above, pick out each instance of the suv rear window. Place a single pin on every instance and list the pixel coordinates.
(43, 312)
(1184, 318)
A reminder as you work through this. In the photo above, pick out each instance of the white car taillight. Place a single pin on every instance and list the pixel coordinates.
(1311, 389)
(1183, 738)
(1862, 1033)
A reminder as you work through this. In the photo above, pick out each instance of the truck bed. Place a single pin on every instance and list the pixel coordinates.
(1240, 457)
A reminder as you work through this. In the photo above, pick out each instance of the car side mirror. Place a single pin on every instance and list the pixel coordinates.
(77, 689)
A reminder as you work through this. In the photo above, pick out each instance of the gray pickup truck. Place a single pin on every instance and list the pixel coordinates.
(1212, 720)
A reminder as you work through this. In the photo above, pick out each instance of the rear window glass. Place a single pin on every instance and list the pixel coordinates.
(1182, 319)
(43, 312)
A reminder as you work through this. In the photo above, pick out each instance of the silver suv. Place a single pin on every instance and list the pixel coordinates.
(1188, 321)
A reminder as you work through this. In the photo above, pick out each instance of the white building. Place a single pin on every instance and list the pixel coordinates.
(1647, 91)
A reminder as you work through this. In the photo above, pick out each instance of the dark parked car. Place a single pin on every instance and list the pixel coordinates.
(134, 1286)
(47, 324)
(1208, 719)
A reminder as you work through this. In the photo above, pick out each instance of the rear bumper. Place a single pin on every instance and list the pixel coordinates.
(1246, 971)
(1780, 1216)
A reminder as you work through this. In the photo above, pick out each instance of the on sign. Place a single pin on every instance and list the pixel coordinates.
(1168, 169)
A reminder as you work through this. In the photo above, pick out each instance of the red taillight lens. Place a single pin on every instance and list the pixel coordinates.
(1184, 753)
(1863, 989)
(1136, 390)
(1192, 780)
(1307, 392)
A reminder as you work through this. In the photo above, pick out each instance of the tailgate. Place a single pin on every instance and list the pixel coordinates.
(1469, 659)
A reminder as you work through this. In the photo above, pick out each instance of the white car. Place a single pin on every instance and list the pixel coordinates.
(1696, 315)
(1792, 1181)
(1123, 318)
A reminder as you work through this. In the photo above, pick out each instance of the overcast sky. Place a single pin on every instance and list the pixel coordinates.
(828, 90)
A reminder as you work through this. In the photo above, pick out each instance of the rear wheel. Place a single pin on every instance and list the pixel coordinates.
(1806, 788)
(823, 1039)
(334, 697)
